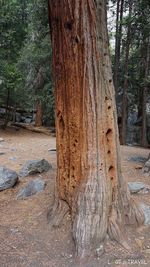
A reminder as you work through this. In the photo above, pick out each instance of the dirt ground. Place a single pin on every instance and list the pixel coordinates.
(26, 239)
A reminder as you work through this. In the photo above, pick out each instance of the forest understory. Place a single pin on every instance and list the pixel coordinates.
(26, 238)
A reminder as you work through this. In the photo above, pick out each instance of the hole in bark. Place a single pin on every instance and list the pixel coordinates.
(58, 113)
(112, 178)
(77, 39)
(106, 98)
(108, 152)
(68, 25)
(108, 133)
(73, 186)
(61, 125)
(109, 107)
(111, 168)
(110, 81)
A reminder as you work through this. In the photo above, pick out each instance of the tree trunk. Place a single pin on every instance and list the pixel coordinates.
(6, 120)
(89, 182)
(39, 114)
(144, 97)
(118, 38)
(125, 84)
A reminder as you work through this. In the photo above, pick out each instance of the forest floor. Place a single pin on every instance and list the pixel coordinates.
(26, 239)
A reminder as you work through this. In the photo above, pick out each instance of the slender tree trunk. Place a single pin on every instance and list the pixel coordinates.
(144, 97)
(125, 85)
(119, 17)
(89, 181)
(7, 110)
(39, 114)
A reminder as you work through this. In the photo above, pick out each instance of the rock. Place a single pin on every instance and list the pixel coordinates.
(13, 149)
(146, 211)
(34, 166)
(146, 168)
(1, 140)
(137, 159)
(32, 188)
(138, 187)
(8, 178)
(1, 153)
(28, 120)
(13, 158)
(100, 251)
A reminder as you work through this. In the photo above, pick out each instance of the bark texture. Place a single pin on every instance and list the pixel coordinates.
(89, 180)
(118, 39)
(125, 84)
(39, 114)
(145, 95)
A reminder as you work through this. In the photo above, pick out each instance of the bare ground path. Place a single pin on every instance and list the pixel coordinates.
(26, 239)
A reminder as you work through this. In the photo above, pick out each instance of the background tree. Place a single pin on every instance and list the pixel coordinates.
(25, 51)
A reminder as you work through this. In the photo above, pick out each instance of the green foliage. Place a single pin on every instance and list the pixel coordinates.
(25, 69)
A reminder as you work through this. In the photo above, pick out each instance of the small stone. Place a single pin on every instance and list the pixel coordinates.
(32, 188)
(13, 158)
(138, 187)
(100, 251)
(34, 166)
(146, 168)
(8, 178)
(1, 153)
(2, 140)
(13, 149)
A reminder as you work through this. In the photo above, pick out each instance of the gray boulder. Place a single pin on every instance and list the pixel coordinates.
(8, 178)
(32, 188)
(146, 210)
(138, 187)
(34, 166)
(146, 168)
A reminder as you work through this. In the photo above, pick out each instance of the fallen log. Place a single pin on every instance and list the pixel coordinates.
(32, 128)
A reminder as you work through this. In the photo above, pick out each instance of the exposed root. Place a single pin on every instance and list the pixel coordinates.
(133, 213)
(57, 213)
(116, 230)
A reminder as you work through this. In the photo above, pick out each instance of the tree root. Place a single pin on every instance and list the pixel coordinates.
(57, 213)
(133, 213)
(116, 229)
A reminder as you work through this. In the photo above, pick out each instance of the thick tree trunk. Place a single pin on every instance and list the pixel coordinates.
(125, 84)
(39, 114)
(89, 181)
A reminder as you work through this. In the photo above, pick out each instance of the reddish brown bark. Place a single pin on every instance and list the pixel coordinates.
(39, 114)
(89, 181)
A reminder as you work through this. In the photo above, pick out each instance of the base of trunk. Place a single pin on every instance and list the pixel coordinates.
(57, 213)
(86, 247)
